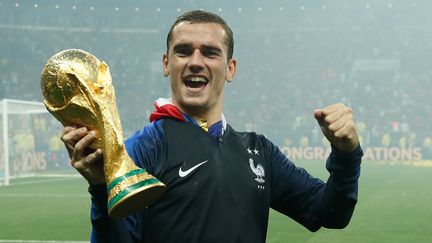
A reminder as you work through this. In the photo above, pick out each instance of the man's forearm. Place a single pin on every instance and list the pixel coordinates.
(340, 195)
(105, 228)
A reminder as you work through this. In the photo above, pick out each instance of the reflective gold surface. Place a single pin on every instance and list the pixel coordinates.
(78, 91)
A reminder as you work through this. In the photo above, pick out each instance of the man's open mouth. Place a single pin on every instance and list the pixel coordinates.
(195, 82)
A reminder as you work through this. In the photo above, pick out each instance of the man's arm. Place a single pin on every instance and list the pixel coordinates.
(340, 196)
(308, 200)
(89, 163)
(107, 229)
(341, 191)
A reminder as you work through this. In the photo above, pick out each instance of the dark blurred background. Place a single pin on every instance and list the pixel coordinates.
(293, 57)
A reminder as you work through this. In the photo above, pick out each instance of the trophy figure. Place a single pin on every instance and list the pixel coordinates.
(78, 91)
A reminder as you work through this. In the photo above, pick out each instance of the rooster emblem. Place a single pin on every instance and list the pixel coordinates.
(258, 170)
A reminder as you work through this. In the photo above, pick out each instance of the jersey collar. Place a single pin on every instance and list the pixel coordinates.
(165, 108)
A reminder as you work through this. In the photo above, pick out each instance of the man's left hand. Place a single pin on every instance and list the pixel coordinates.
(337, 124)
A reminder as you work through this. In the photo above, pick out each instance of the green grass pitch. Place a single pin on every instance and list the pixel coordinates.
(395, 205)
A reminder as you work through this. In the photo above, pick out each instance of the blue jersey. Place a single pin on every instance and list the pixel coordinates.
(221, 184)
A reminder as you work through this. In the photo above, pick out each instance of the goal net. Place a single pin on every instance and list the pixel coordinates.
(30, 143)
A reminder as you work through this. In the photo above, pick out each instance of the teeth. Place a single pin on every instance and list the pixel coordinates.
(197, 79)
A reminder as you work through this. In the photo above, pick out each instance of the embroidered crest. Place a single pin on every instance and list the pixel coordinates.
(258, 170)
(256, 167)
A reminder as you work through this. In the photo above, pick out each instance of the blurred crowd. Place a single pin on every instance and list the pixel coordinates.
(380, 69)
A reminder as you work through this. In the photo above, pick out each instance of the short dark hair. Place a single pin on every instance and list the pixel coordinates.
(200, 16)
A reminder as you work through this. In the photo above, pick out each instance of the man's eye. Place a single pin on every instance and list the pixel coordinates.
(183, 52)
(211, 53)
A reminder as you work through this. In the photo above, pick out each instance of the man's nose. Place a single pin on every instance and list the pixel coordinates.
(196, 61)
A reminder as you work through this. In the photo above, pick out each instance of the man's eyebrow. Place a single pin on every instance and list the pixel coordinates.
(212, 48)
(204, 47)
(181, 47)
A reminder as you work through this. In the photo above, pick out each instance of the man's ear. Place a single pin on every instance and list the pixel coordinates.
(231, 70)
(165, 65)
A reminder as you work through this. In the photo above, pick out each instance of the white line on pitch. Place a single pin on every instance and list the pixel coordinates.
(40, 241)
(44, 195)
(42, 181)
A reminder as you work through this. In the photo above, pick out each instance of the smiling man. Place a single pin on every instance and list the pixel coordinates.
(198, 62)
(221, 183)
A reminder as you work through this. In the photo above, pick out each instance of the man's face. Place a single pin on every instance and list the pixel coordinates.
(198, 66)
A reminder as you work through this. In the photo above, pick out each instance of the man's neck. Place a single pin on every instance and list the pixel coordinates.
(210, 116)
(209, 119)
(216, 128)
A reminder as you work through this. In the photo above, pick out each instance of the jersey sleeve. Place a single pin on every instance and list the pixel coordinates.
(107, 229)
(308, 200)
(144, 147)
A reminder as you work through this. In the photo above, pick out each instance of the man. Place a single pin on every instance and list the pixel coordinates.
(220, 182)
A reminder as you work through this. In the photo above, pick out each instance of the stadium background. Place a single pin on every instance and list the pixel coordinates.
(293, 57)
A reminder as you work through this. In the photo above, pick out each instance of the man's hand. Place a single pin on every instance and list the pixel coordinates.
(88, 162)
(337, 124)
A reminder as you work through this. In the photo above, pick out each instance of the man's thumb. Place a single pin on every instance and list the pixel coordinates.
(319, 117)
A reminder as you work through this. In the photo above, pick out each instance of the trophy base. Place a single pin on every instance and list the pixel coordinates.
(133, 191)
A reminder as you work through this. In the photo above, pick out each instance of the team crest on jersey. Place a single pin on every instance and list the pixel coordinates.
(258, 170)
(256, 167)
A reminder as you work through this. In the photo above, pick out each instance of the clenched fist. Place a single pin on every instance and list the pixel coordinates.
(337, 124)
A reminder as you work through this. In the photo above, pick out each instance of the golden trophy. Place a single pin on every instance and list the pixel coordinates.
(78, 91)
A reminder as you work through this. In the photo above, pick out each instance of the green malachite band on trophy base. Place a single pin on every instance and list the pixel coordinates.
(130, 189)
(122, 178)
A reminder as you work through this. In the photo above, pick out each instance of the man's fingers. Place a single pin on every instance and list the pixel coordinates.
(83, 158)
(81, 146)
(336, 125)
(72, 135)
(319, 116)
(89, 161)
(91, 167)
(337, 120)
(346, 131)
(67, 129)
(326, 115)
(335, 116)
(331, 108)
(332, 114)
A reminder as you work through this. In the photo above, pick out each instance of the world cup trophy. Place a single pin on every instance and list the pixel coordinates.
(78, 91)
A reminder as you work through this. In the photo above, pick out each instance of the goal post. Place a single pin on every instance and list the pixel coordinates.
(30, 143)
